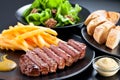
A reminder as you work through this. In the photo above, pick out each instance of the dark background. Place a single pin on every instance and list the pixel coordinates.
(7, 18)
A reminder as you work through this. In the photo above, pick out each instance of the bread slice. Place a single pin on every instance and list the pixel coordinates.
(94, 23)
(101, 32)
(113, 38)
(110, 15)
(118, 28)
(113, 16)
(94, 15)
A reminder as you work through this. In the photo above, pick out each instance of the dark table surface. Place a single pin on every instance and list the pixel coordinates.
(7, 18)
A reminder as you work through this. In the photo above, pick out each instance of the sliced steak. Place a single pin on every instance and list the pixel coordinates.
(81, 47)
(70, 50)
(52, 64)
(60, 61)
(68, 58)
(44, 68)
(28, 67)
(42, 61)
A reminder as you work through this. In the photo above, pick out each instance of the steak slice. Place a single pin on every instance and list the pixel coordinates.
(52, 64)
(81, 47)
(70, 50)
(44, 68)
(60, 61)
(68, 58)
(28, 67)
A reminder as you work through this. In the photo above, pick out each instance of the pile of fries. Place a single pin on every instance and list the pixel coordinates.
(27, 37)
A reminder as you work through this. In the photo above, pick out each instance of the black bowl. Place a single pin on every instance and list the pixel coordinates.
(83, 14)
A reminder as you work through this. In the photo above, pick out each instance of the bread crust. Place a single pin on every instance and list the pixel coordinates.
(94, 15)
(113, 38)
(113, 16)
(94, 23)
(101, 32)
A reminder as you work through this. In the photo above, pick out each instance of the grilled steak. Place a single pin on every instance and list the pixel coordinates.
(46, 60)
(79, 46)
(68, 59)
(60, 61)
(44, 68)
(28, 67)
(70, 50)
(52, 64)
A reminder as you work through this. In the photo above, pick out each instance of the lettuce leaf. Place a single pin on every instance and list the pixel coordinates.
(54, 3)
(74, 12)
(67, 9)
(39, 18)
(63, 8)
(33, 18)
(45, 15)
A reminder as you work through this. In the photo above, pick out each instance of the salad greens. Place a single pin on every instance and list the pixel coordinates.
(41, 10)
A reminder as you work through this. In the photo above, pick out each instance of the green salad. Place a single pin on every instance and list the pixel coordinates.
(52, 13)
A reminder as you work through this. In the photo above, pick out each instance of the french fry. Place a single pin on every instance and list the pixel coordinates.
(31, 42)
(49, 41)
(42, 42)
(27, 37)
(48, 36)
(7, 44)
(54, 33)
(19, 45)
(29, 34)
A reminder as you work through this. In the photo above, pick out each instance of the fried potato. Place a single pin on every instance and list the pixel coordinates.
(27, 37)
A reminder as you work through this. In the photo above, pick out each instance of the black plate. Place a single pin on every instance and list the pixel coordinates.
(83, 14)
(102, 47)
(75, 69)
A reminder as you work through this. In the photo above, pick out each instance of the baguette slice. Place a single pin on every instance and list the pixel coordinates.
(94, 23)
(113, 16)
(118, 28)
(101, 32)
(113, 38)
(94, 15)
